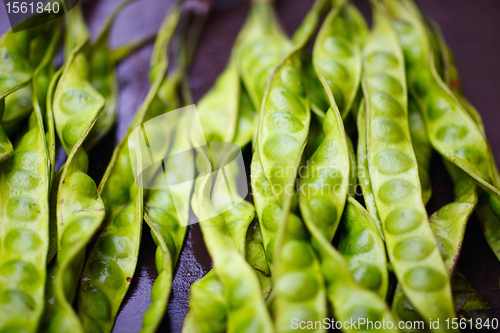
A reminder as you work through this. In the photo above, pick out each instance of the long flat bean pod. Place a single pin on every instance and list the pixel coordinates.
(24, 209)
(284, 125)
(350, 301)
(166, 218)
(452, 131)
(323, 189)
(161, 215)
(489, 222)
(286, 110)
(394, 176)
(108, 271)
(79, 208)
(216, 102)
(245, 306)
(299, 293)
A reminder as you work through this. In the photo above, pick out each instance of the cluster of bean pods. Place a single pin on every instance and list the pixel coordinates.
(302, 140)
(364, 110)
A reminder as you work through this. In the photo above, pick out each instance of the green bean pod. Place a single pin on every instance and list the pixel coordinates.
(452, 131)
(363, 249)
(19, 104)
(263, 45)
(323, 189)
(76, 102)
(207, 306)
(237, 219)
(448, 225)
(299, 292)
(489, 222)
(268, 209)
(24, 210)
(284, 125)
(242, 291)
(337, 53)
(350, 300)
(110, 266)
(15, 73)
(77, 30)
(394, 176)
(161, 216)
(293, 118)
(79, 209)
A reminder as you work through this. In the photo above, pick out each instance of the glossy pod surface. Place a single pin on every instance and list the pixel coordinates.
(363, 249)
(24, 180)
(394, 175)
(284, 125)
(452, 131)
(110, 266)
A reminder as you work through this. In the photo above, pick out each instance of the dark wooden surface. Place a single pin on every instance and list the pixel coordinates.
(471, 28)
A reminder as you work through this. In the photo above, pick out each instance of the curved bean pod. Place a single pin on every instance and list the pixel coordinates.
(79, 208)
(349, 299)
(394, 175)
(337, 53)
(76, 102)
(24, 210)
(161, 215)
(245, 306)
(19, 104)
(76, 30)
(207, 306)
(108, 271)
(323, 190)
(262, 46)
(299, 288)
(26, 176)
(363, 249)
(489, 222)
(284, 125)
(452, 131)
(268, 209)
(15, 73)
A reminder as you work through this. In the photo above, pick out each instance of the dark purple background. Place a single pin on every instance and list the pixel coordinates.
(471, 28)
